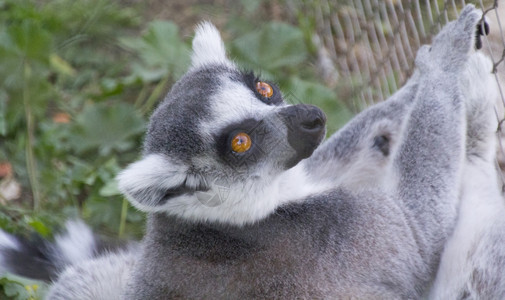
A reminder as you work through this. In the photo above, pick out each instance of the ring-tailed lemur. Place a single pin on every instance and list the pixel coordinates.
(240, 206)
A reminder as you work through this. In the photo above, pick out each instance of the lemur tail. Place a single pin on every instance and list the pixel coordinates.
(43, 260)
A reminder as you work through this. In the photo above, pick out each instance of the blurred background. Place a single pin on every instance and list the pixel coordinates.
(79, 79)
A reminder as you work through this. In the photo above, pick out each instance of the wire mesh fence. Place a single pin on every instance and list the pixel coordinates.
(367, 47)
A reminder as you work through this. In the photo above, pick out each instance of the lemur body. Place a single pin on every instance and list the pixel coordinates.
(366, 215)
(332, 242)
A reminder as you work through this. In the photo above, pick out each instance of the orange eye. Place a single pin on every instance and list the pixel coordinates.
(264, 89)
(241, 143)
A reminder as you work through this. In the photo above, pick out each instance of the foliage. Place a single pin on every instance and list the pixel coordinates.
(62, 130)
(15, 287)
(78, 80)
(274, 47)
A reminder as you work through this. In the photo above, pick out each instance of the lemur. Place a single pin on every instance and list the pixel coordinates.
(243, 202)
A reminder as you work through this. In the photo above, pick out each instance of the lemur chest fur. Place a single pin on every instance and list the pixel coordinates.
(263, 259)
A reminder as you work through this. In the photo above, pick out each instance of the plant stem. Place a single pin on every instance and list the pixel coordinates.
(140, 97)
(31, 163)
(122, 222)
(155, 95)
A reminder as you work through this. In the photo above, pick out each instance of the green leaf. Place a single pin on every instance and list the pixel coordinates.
(39, 226)
(14, 289)
(10, 63)
(275, 45)
(151, 74)
(61, 66)
(82, 172)
(103, 211)
(31, 40)
(161, 46)
(109, 189)
(3, 113)
(111, 86)
(20, 288)
(106, 127)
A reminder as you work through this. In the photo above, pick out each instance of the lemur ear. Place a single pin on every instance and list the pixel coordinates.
(208, 47)
(149, 184)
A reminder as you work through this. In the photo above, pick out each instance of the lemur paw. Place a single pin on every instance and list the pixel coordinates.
(450, 49)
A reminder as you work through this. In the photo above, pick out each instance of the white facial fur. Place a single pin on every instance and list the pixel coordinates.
(232, 104)
(235, 203)
(152, 171)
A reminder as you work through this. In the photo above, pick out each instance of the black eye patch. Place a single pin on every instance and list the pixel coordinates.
(257, 131)
(251, 80)
(223, 139)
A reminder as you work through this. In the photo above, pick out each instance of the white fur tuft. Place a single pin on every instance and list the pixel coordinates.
(104, 277)
(154, 171)
(8, 241)
(76, 244)
(208, 47)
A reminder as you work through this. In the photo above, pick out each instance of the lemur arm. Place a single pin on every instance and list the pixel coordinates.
(351, 156)
(363, 148)
(429, 162)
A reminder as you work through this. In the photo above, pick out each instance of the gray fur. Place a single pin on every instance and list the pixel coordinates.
(189, 104)
(352, 149)
(366, 216)
(100, 278)
(473, 262)
(296, 252)
(382, 241)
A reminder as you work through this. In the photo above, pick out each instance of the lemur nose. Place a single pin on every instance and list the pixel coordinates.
(306, 128)
(314, 120)
(304, 118)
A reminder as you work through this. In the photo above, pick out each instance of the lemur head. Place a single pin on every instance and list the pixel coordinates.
(221, 144)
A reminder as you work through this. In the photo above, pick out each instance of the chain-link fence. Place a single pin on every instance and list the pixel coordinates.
(367, 47)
